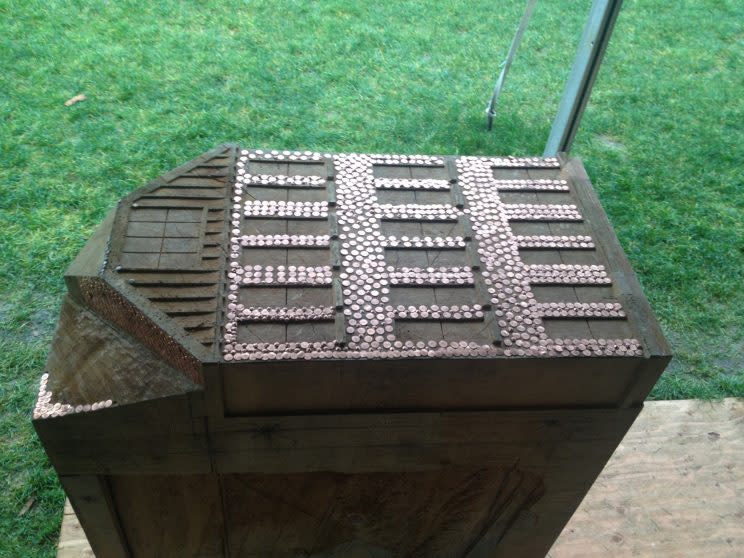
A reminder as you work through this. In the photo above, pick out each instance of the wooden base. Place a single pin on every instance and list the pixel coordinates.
(674, 487)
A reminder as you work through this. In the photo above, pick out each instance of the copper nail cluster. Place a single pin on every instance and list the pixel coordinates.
(411, 184)
(280, 313)
(285, 210)
(281, 275)
(284, 155)
(541, 212)
(417, 212)
(282, 240)
(282, 181)
(541, 185)
(412, 160)
(580, 310)
(508, 278)
(363, 313)
(567, 274)
(304, 350)
(431, 276)
(364, 275)
(435, 312)
(46, 409)
(578, 242)
(596, 347)
(502, 269)
(524, 162)
(109, 303)
(426, 242)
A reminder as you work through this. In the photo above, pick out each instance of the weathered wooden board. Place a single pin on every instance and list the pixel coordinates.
(674, 487)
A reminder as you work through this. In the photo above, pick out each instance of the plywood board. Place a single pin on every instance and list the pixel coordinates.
(674, 487)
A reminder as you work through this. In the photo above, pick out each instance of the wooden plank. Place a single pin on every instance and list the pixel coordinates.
(260, 387)
(422, 453)
(542, 441)
(674, 487)
(157, 439)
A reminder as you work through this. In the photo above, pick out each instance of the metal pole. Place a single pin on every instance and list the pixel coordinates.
(491, 109)
(586, 64)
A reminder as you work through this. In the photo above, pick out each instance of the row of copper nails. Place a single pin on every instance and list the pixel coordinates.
(577, 347)
(441, 349)
(363, 353)
(567, 274)
(552, 241)
(394, 159)
(280, 313)
(537, 185)
(411, 184)
(419, 212)
(285, 209)
(281, 275)
(522, 162)
(280, 180)
(420, 160)
(433, 312)
(280, 240)
(44, 407)
(424, 242)
(580, 310)
(431, 276)
(283, 155)
(541, 212)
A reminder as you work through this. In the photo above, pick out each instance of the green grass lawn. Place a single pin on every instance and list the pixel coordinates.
(662, 141)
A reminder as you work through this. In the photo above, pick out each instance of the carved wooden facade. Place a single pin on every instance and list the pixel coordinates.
(274, 353)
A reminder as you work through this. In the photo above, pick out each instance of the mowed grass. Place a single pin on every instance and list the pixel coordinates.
(662, 141)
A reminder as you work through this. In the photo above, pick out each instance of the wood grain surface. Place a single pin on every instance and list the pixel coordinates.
(230, 377)
(674, 487)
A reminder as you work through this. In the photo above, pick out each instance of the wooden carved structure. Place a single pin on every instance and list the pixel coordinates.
(286, 354)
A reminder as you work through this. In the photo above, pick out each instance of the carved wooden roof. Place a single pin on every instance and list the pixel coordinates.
(247, 256)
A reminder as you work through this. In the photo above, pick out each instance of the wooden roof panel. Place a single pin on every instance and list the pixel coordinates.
(453, 257)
